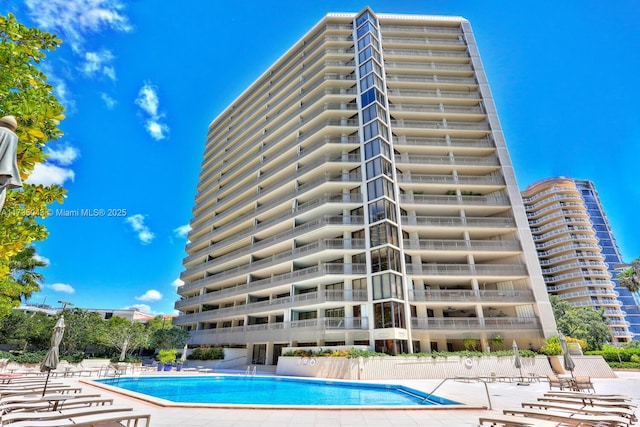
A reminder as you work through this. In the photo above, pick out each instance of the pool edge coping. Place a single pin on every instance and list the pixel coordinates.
(169, 404)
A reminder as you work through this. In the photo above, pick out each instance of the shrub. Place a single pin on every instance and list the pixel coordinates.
(167, 356)
(214, 353)
(551, 347)
(29, 357)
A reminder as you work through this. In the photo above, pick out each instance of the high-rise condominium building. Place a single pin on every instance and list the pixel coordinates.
(577, 250)
(360, 192)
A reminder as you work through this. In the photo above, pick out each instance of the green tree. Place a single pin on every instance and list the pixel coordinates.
(169, 338)
(83, 329)
(27, 330)
(123, 335)
(583, 323)
(22, 280)
(629, 277)
(25, 93)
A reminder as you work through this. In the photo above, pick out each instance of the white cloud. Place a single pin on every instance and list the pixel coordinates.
(60, 88)
(148, 99)
(137, 224)
(150, 295)
(149, 103)
(109, 101)
(64, 155)
(74, 19)
(98, 63)
(140, 307)
(177, 283)
(47, 174)
(62, 287)
(43, 259)
(182, 231)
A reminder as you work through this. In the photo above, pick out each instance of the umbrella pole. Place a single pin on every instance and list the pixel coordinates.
(46, 382)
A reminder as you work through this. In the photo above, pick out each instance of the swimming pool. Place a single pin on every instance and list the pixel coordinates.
(258, 391)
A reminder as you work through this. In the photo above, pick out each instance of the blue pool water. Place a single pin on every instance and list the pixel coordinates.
(256, 390)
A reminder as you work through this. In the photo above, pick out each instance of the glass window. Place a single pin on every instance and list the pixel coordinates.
(374, 129)
(368, 27)
(379, 166)
(367, 40)
(382, 209)
(389, 314)
(383, 233)
(369, 52)
(376, 147)
(380, 187)
(385, 258)
(365, 17)
(369, 81)
(372, 95)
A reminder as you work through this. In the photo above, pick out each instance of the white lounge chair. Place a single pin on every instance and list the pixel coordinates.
(132, 419)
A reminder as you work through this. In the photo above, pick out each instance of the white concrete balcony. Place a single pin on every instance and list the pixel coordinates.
(493, 180)
(579, 284)
(432, 79)
(347, 246)
(578, 215)
(457, 222)
(571, 247)
(474, 323)
(567, 239)
(419, 199)
(481, 145)
(574, 256)
(327, 198)
(597, 303)
(411, 159)
(457, 296)
(574, 265)
(426, 245)
(312, 248)
(423, 41)
(562, 193)
(392, 29)
(403, 54)
(558, 207)
(466, 270)
(234, 205)
(567, 198)
(284, 303)
(568, 224)
(437, 94)
(320, 329)
(305, 274)
(602, 293)
(563, 277)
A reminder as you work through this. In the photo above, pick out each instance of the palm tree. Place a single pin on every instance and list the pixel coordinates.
(22, 270)
(629, 277)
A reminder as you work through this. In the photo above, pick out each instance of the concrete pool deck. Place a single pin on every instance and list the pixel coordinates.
(502, 395)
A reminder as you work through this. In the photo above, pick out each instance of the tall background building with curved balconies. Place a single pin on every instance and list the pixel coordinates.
(360, 193)
(577, 251)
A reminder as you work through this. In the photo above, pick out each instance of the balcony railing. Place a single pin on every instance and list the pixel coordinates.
(424, 295)
(454, 200)
(310, 298)
(445, 221)
(309, 273)
(466, 270)
(462, 323)
(462, 245)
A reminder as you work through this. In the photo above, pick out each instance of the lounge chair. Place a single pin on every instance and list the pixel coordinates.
(556, 382)
(40, 405)
(132, 419)
(587, 401)
(570, 417)
(515, 421)
(584, 383)
(589, 396)
(61, 414)
(583, 409)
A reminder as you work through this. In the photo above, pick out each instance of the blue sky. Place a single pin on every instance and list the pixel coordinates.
(142, 79)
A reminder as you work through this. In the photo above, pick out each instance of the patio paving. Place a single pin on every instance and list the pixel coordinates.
(502, 395)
